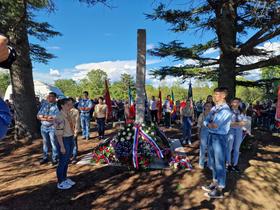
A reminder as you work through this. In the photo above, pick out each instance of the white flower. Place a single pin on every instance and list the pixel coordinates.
(143, 124)
(128, 138)
(153, 133)
(129, 134)
(128, 129)
(124, 133)
(152, 124)
(122, 139)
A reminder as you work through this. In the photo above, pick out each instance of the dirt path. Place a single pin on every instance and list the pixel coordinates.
(24, 184)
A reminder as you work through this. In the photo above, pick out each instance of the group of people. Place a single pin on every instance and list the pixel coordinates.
(60, 124)
(220, 126)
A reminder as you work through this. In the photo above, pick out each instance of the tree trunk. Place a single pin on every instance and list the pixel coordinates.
(23, 86)
(140, 76)
(226, 31)
(227, 76)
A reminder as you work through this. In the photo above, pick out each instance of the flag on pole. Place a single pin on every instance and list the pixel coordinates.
(159, 105)
(277, 117)
(173, 106)
(190, 94)
(132, 111)
(108, 99)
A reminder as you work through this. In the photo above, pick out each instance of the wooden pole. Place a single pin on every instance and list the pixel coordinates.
(140, 76)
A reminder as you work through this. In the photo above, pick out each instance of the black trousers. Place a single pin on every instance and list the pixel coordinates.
(101, 126)
(167, 119)
(154, 115)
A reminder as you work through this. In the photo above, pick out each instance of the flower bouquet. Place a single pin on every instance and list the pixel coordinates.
(180, 162)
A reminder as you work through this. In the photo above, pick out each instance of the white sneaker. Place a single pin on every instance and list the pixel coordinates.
(70, 182)
(63, 186)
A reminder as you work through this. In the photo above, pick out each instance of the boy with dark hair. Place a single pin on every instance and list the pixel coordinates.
(218, 122)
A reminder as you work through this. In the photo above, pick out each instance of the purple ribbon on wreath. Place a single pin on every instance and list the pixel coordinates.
(139, 132)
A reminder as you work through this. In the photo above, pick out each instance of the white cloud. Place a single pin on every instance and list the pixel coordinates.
(150, 46)
(55, 73)
(211, 51)
(113, 68)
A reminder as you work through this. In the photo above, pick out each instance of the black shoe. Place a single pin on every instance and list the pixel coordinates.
(54, 162)
(44, 161)
(209, 188)
(236, 169)
(229, 168)
(216, 193)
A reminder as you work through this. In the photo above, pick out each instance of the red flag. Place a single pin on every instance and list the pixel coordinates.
(159, 106)
(278, 105)
(108, 99)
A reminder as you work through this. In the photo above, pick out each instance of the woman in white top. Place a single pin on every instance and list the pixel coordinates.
(101, 115)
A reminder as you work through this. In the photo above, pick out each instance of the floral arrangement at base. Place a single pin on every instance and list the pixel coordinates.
(103, 155)
(180, 162)
(120, 148)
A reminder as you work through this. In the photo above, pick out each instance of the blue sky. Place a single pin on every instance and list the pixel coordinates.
(99, 37)
(102, 37)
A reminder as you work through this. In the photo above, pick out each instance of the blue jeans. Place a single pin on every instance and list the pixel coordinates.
(101, 126)
(234, 141)
(49, 138)
(204, 133)
(75, 147)
(85, 123)
(217, 155)
(3, 129)
(63, 162)
(187, 128)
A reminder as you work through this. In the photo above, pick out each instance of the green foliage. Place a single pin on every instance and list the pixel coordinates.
(119, 89)
(250, 94)
(230, 23)
(4, 82)
(69, 87)
(94, 83)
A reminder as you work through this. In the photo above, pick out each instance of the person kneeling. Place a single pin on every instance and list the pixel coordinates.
(65, 136)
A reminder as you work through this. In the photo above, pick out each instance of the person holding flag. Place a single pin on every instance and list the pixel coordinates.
(159, 107)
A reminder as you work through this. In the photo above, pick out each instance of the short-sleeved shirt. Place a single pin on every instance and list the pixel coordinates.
(100, 110)
(64, 124)
(48, 109)
(75, 117)
(85, 103)
(153, 105)
(167, 107)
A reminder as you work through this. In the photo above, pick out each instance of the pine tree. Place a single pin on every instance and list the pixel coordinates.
(18, 22)
(231, 21)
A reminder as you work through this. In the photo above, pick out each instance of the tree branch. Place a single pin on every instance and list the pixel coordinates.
(265, 63)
